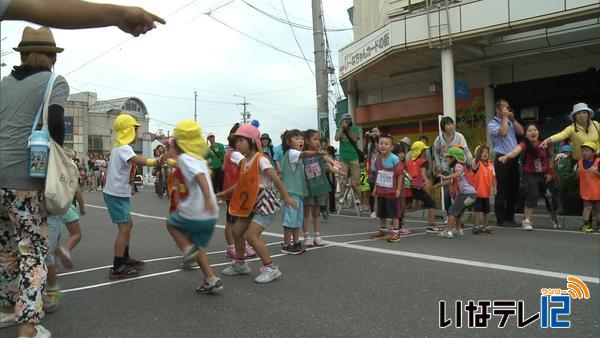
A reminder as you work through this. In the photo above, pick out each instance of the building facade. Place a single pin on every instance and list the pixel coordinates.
(89, 124)
(414, 60)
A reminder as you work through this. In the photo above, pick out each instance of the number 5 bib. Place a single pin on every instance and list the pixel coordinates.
(246, 190)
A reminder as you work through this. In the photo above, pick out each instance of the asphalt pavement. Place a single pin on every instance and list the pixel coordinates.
(353, 287)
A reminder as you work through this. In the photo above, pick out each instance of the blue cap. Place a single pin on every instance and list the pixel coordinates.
(566, 148)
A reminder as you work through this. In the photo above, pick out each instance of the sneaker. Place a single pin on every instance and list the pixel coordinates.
(268, 274)
(237, 268)
(457, 233)
(41, 332)
(230, 252)
(476, 230)
(286, 249)
(404, 231)
(125, 271)
(190, 266)
(189, 258)
(294, 249)
(7, 319)
(325, 214)
(249, 251)
(586, 228)
(526, 225)
(446, 234)
(487, 230)
(64, 254)
(433, 229)
(394, 237)
(309, 242)
(380, 234)
(318, 241)
(206, 288)
(51, 300)
(135, 263)
(373, 215)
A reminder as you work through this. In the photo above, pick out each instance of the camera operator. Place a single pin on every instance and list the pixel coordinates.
(348, 134)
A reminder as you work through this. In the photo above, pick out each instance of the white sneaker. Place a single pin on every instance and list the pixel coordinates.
(268, 274)
(308, 242)
(41, 332)
(458, 232)
(526, 225)
(446, 234)
(318, 241)
(7, 319)
(237, 269)
(373, 215)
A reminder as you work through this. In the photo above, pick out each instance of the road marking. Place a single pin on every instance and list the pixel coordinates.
(147, 261)
(94, 286)
(466, 262)
(459, 261)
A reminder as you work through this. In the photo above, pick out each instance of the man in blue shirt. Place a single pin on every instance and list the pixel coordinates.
(503, 129)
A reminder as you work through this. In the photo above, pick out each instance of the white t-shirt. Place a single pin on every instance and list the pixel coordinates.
(117, 179)
(236, 157)
(192, 207)
(263, 165)
(294, 157)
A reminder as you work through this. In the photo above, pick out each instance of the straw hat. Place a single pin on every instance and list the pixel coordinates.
(37, 40)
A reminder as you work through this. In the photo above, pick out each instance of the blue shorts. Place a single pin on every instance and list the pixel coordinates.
(198, 231)
(54, 225)
(262, 220)
(292, 218)
(71, 216)
(119, 208)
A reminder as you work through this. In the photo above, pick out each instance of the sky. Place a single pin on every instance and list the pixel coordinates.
(194, 52)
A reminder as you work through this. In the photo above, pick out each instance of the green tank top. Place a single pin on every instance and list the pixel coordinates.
(294, 180)
(316, 176)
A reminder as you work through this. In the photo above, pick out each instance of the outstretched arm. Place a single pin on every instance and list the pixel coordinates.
(71, 14)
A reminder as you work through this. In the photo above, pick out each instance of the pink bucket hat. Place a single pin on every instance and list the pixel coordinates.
(251, 132)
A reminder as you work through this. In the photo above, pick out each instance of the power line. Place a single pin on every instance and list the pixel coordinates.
(255, 39)
(296, 39)
(288, 22)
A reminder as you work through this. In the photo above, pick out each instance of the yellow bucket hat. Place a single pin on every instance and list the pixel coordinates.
(417, 149)
(592, 145)
(125, 129)
(188, 135)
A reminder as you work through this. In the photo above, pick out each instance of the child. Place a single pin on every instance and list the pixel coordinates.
(231, 172)
(365, 187)
(485, 185)
(294, 179)
(254, 203)
(318, 187)
(388, 185)
(420, 183)
(71, 221)
(400, 151)
(193, 222)
(537, 170)
(52, 292)
(588, 171)
(455, 157)
(117, 194)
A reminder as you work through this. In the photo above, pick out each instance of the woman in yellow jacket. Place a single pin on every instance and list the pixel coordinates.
(583, 129)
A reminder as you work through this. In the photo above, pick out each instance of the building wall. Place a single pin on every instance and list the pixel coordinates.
(369, 15)
(75, 127)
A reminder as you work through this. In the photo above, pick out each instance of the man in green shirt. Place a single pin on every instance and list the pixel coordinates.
(216, 155)
(350, 171)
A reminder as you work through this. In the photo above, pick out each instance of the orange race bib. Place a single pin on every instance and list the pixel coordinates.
(246, 190)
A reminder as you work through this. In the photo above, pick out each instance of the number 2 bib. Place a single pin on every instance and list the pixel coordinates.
(246, 190)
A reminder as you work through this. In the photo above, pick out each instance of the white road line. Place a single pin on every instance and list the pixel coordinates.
(145, 260)
(94, 286)
(459, 261)
(466, 262)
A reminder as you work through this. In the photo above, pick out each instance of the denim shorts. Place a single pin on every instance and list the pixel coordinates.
(262, 220)
(54, 225)
(119, 208)
(292, 218)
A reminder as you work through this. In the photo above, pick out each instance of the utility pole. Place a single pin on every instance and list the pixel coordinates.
(244, 114)
(195, 109)
(320, 69)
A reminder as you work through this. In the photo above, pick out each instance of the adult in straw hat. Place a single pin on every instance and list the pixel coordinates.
(79, 14)
(583, 129)
(22, 213)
